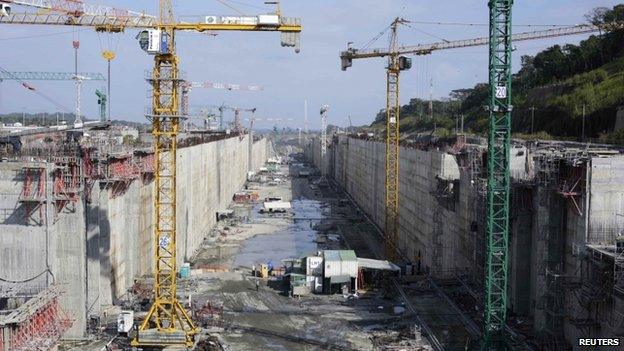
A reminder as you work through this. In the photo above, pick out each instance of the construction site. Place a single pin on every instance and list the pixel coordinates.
(224, 227)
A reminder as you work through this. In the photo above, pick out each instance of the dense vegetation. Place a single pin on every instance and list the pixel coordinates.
(556, 87)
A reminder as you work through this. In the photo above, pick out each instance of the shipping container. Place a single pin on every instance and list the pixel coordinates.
(340, 262)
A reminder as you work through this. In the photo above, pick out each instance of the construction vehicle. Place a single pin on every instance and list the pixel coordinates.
(167, 322)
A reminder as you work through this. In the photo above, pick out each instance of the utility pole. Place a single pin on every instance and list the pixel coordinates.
(305, 116)
(431, 99)
(583, 125)
(462, 124)
(108, 55)
(76, 45)
(532, 108)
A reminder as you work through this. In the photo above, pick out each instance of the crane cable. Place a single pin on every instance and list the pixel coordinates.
(468, 24)
(36, 91)
(230, 7)
(426, 33)
(375, 38)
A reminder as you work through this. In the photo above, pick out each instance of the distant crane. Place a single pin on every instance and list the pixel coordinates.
(253, 119)
(238, 127)
(167, 322)
(397, 62)
(187, 86)
(55, 76)
(102, 102)
(324, 110)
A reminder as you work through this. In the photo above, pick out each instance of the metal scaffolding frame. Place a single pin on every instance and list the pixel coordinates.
(38, 324)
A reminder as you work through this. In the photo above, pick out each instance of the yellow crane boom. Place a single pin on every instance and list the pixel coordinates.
(167, 322)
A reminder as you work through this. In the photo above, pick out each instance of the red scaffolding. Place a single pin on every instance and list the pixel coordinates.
(33, 195)
(66, 182)
(38, 324)
(121, 172)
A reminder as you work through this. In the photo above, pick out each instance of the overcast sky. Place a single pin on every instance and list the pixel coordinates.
(257, 58)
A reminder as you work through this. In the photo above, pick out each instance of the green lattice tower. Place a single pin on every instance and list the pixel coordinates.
(500, 107)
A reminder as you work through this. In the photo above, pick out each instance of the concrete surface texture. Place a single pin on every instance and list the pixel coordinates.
(269, 319)
(563, 199)
(94, 249)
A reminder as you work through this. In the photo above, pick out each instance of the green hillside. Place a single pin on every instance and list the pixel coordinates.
(555, 86)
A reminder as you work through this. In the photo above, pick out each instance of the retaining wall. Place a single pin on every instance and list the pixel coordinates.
(96, 249)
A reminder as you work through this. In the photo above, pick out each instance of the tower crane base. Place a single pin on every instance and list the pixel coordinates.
(155, 337)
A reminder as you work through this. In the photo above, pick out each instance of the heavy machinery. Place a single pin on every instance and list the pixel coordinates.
(167, 322)
(500, 107)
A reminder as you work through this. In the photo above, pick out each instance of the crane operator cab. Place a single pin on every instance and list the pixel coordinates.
(5, 10)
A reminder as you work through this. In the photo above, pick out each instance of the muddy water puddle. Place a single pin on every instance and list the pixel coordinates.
(296, 240)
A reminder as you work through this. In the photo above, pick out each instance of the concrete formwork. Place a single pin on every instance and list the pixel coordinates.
(95, 249)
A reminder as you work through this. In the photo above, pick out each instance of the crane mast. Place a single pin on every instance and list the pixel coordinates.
(393, 108)
(166, 314)
(167, 322)
(500, 107)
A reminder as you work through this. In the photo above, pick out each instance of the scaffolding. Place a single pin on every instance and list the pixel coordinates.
(33, 194)
(554, 306)
(66, 186)
(571, 185)
(146, 164)
(121, 171)
(37, 324)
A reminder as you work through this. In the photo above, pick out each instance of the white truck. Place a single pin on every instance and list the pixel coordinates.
(125, 322)
(275, 206)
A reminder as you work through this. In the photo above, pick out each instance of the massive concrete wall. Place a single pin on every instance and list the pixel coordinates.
(554, 214)
(96, 249)
(428, 225)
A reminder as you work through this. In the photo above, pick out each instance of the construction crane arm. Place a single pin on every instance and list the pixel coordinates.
(76, 8)
(100, 23)
(226, 86)
(5, 75)
(114, 23)
(425, 49)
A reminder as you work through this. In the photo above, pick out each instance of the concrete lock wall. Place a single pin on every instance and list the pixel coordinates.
(548, 230)
(427, 227)
(96, 249)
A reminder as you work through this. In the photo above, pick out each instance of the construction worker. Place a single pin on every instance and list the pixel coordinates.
(257, 285)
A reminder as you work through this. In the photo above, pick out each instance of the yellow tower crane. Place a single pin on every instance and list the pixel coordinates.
(167, 322)
(396, 63)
